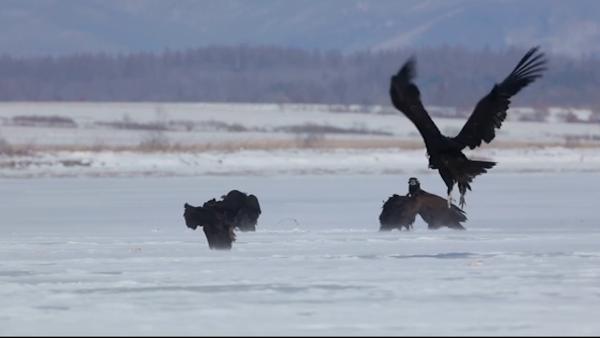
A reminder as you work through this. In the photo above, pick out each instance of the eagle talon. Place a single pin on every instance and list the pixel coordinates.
(462, 202)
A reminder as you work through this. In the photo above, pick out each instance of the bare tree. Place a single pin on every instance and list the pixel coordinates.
(448, 76)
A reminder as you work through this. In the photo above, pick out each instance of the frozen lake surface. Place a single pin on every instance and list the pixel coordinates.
(96, 256)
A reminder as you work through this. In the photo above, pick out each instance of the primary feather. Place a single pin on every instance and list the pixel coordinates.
(490, 111)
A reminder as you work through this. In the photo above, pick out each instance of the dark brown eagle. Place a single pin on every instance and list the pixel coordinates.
(241, 209)
(400, 211)
(445, 153)
(219, 232)
(218, 219)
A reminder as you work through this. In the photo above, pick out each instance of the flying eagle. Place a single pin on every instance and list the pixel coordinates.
(400, 211)
(445, 153)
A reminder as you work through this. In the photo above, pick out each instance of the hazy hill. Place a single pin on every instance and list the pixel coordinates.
(35, 27)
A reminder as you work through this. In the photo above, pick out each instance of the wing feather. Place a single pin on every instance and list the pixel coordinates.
(406, 98)
(397, 212)
(490, 111)
(434, 210)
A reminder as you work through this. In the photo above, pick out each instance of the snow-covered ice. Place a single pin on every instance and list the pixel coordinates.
(93, 256)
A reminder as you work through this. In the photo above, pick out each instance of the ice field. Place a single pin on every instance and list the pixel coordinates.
(96, 256)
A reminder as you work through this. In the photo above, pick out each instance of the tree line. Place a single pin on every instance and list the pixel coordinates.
(447, 76)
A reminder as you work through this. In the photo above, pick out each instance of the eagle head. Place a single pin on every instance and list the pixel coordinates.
(413, 185)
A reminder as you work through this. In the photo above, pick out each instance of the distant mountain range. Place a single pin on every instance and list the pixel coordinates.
(40, 27)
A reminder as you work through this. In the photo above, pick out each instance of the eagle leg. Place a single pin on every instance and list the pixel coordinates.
(462, 202)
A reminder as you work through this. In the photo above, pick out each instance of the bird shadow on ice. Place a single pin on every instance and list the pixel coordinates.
(443, 255)
(15, 273)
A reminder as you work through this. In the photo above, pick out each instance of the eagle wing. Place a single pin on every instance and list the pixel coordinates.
(398, 211)
(490, 111)
(252, 203)
(406, 98)
(435, 212)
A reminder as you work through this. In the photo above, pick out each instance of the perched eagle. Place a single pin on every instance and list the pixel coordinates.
(445, 153)
(218, 219)
(401, 211)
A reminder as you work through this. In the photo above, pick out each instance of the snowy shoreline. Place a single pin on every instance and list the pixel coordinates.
(282, 162)
(174, 139)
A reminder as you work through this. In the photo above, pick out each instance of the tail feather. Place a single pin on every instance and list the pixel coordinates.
(475, 168)
(471, 170)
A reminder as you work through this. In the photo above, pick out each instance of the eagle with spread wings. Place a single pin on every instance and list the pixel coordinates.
(445, 153)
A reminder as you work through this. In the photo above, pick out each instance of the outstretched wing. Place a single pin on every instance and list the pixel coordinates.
(435, 212)
(398, 211)
(199, 216)
(247, 216)
(234, 200)
(252, 203)
(406, 98)
(490, 112)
